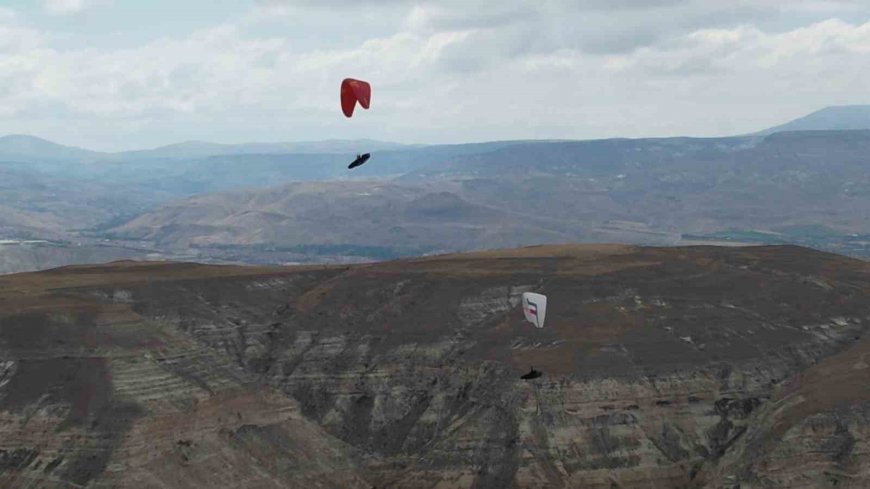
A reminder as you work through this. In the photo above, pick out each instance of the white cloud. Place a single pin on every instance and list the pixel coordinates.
(66, 7)
(7, 15)
(440, 73)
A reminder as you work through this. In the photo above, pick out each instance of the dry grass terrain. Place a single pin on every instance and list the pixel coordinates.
(663, 367)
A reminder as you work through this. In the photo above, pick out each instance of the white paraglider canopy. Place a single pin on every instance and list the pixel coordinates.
(535, 308)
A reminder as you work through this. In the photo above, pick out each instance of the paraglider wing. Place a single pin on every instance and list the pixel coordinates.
(535, 308)
(353, 91)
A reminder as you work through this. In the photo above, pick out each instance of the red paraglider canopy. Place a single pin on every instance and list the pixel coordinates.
(353, 91)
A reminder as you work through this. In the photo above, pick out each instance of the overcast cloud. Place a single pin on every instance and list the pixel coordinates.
(106, 75)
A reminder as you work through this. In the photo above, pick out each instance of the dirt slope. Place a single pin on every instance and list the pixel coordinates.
(678, 367)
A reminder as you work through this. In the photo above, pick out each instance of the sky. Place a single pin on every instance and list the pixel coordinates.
(117, 75)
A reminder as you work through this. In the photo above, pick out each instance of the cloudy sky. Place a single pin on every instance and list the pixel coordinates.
(128, 74)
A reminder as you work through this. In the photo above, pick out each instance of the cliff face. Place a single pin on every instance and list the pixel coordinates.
(683, 367)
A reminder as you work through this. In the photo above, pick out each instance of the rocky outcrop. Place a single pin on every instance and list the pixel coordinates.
(94, 395)
(687, 367)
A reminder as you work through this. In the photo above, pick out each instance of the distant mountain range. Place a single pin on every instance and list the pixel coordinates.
(650, 191)
(201, 149)
(837, 118)
(19, 147)
(298, 201)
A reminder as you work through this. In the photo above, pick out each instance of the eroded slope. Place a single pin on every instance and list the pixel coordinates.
(682, 367)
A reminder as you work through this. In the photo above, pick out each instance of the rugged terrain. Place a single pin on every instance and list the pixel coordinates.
(694, 367)
(811, 188)
(805, 183)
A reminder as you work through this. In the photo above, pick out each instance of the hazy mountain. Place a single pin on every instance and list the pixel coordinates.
(49, 198)
(398, 219)
(807, 187)
(29, 148)
(695, 367)
(185, 177)
(18, 147)
(22, 147)
(191, 168)
(38, 206)
(843, 117)
(200, 149)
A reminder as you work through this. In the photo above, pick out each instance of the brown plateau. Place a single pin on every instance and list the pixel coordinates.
(693, 367)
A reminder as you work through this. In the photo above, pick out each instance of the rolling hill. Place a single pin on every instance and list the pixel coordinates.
(400, 219)
(805, 187)
(21, 147)
(298, 201)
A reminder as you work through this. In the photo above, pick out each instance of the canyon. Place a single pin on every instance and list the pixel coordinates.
(687, 367)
